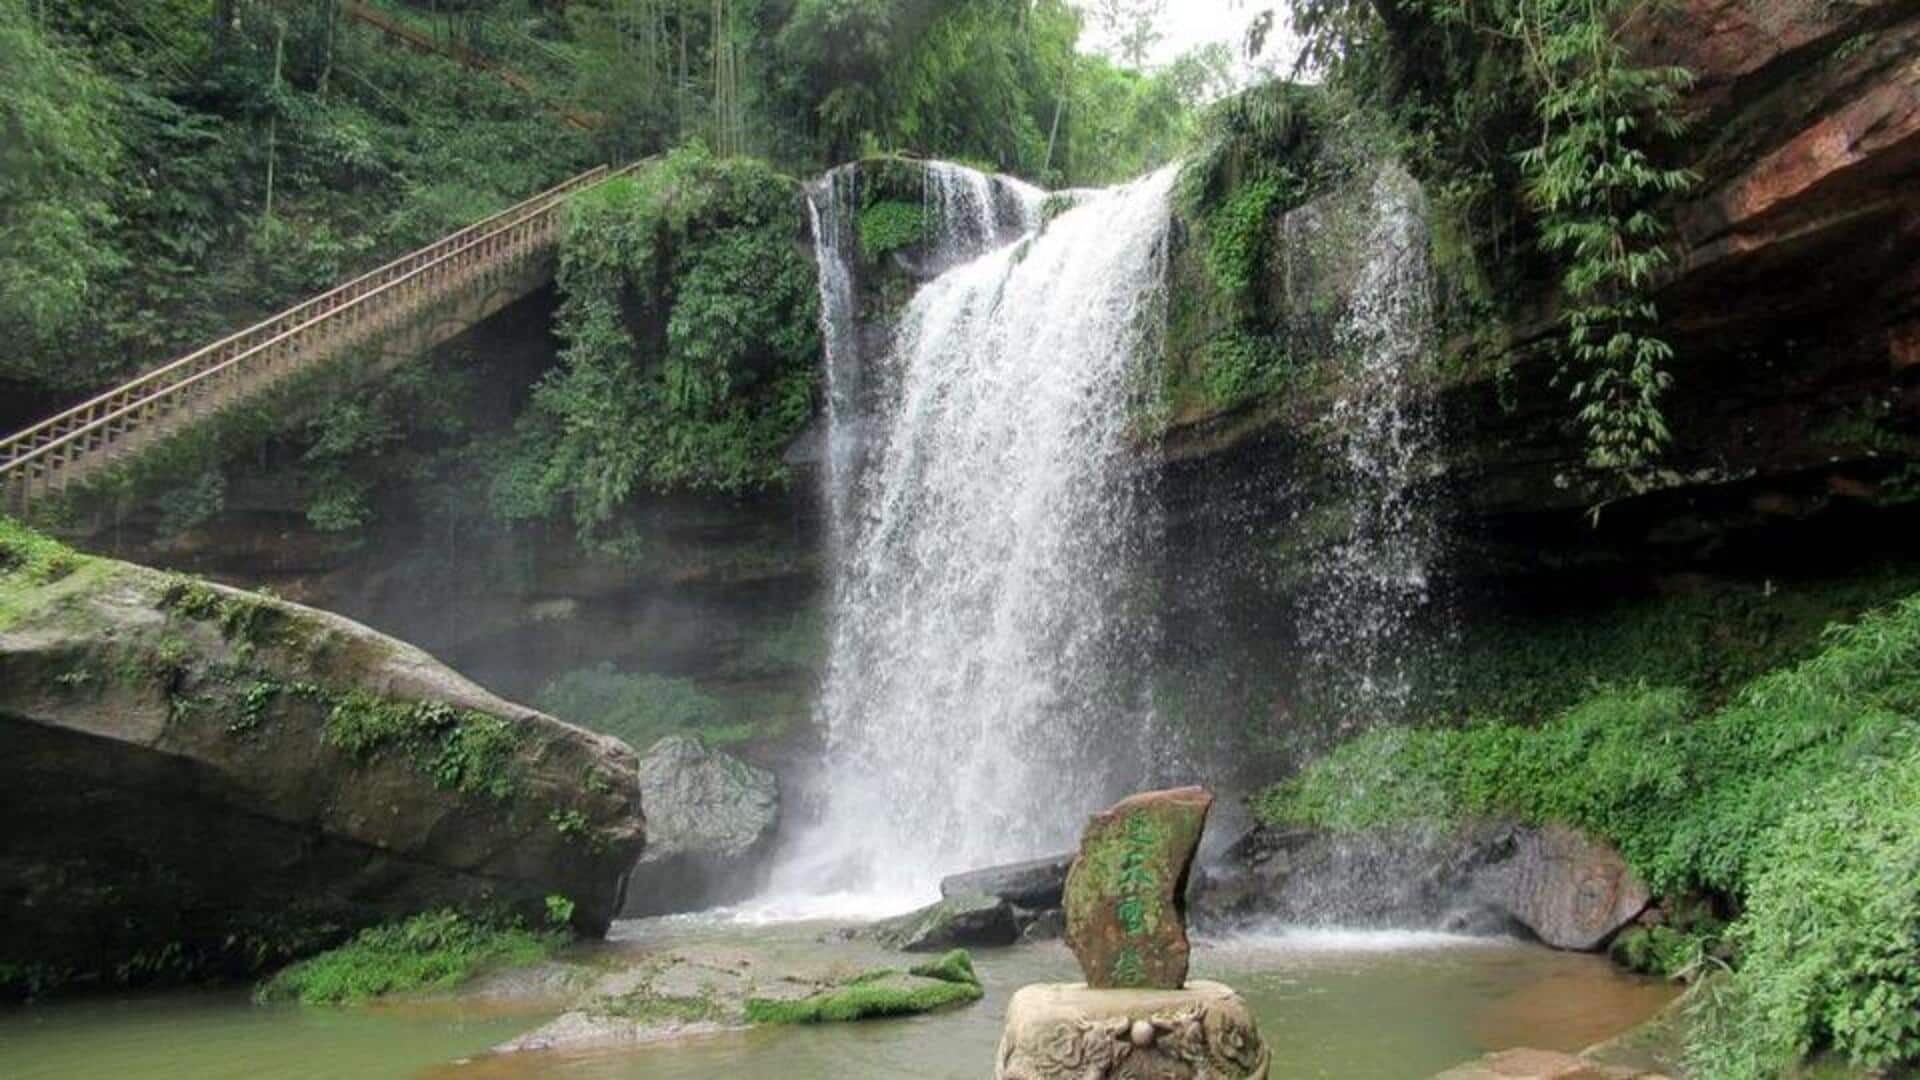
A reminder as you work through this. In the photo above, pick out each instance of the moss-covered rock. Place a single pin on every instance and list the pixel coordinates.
(204, 781)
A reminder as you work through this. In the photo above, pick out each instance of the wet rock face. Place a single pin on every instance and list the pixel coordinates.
(1572, 891)
(711, 820)
(197, 779)
(1126, 893)
(966, 920)
(1557, 884)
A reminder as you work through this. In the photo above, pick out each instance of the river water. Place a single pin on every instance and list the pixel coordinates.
(1358, 1006)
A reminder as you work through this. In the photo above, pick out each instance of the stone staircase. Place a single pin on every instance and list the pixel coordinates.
(401, 309)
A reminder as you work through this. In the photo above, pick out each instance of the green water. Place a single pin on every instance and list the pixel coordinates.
(1350, 1006)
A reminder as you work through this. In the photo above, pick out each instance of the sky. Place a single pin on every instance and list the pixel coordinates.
(1191, 23)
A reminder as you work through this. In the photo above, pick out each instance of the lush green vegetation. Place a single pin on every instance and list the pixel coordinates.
(1792, 803)
(192, 164)
(641, 709)
(938, 984)
(33, 558)
(1230, 340)
(1534, 127)
(691, 326)
(435, 950)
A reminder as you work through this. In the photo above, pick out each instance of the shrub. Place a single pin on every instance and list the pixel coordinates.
(1798, 802)
(890, 225)
(437, 950)
(1829, 936)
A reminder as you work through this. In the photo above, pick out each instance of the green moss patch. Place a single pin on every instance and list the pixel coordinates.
(36, 570)
(436, 950)
(462, 750)
(954, 967)
(938, 984)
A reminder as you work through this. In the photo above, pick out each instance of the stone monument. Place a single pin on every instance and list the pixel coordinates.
(1136, 1017)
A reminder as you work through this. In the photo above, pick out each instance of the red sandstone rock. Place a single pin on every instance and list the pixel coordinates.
(1126, 893)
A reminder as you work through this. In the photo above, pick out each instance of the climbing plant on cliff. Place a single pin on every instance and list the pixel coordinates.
(1535, 115)
(689, 315)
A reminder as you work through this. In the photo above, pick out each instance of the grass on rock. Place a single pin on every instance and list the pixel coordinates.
(436, 950)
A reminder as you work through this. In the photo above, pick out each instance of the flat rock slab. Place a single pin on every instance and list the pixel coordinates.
(671, 995)
(1541, 1065)
(1126, 894)
(1070, 1032)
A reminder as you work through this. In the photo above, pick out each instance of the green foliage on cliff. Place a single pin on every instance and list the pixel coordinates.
(1533, 124)
(641, 709)
(690, 317)
(889, 225)
(179, 174)
(1827, 939)
(1795, 801)
(1256, 156)
(436, 950)
(58, 166)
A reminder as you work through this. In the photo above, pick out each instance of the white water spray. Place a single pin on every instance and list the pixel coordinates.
(983, 690)
(1375, 579)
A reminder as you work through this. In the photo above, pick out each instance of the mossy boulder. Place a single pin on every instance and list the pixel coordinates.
(203, 781)
(699, 989)
(1126, 893)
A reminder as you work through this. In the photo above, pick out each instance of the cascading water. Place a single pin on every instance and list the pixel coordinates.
(968, 213)
(984, 689)
(1374, 579)
(830, 207)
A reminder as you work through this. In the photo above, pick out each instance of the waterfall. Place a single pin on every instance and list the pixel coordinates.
(968, 213)
(1374, 579)
(988, 651)
(830, 208)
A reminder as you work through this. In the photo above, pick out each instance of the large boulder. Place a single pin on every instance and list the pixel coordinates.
(969, 920)
(1126, 893)
(711, 819)
(200, 780)
(1570, 890)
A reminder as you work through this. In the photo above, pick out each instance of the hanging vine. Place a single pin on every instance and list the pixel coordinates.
(1541, 103)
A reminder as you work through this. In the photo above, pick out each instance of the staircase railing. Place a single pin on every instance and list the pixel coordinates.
(59, 451)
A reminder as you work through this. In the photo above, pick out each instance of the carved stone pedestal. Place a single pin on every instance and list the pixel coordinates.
(1064, 1031)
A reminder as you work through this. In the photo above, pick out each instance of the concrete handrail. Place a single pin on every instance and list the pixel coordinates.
(511, 230)
(11, 448)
